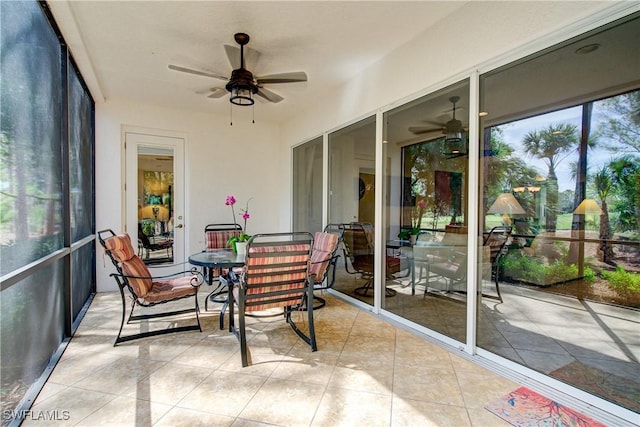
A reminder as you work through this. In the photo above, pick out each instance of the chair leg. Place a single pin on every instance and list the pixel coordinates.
(243, 334)
(498, 285)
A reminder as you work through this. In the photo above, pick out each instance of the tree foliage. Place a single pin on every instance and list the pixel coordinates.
(552, 145)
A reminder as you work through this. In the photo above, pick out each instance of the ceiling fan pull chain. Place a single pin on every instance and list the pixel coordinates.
(253, 114)
(231, 114)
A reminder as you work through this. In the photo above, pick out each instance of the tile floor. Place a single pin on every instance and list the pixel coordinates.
(366, 372)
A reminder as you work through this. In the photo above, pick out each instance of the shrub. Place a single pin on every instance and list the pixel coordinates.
(623, 282)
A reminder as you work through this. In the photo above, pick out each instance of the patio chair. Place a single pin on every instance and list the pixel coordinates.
(324, 258)
(146, 246)
(496, 240)
(144, 289)
(359, 250)
(276, 275)
(216, 236)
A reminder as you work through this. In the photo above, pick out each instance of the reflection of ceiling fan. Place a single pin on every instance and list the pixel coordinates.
(243, 84)
(452, 129)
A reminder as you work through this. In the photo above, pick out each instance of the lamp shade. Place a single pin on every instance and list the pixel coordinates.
(588, 206)
(506, 204)
(157, 212)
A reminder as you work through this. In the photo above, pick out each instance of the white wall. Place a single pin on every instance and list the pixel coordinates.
(243, 160)
(443, 54)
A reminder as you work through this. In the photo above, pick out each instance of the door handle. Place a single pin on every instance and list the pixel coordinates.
(179, 226)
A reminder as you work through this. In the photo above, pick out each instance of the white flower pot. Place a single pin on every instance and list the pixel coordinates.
(241, 248)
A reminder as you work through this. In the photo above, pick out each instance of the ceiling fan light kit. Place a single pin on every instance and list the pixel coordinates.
(242, 85)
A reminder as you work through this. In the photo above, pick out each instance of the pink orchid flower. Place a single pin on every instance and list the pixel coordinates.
(230, 201)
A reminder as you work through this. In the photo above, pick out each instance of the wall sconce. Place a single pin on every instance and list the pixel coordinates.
(506, 205)
(529, 188)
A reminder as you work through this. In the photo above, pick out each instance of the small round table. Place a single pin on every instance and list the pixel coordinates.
(223, 259)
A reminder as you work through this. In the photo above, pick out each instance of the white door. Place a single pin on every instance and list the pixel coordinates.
(154, 194)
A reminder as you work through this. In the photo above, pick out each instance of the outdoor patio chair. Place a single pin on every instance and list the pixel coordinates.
(324, 258)
(216, 237)
(148, 246)
(496, 240)
(276, 275)
(144, 289)
(359, 250)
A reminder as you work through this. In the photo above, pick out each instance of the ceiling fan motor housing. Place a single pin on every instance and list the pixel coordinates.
(242, 87)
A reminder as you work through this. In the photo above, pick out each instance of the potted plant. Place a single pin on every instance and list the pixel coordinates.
(416, 220)
(238, 242)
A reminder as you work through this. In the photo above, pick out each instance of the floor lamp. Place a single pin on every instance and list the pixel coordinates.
(506, 205)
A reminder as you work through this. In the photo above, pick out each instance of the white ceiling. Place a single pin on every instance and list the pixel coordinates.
(123, 48)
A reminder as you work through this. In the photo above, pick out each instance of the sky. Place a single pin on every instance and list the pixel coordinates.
(515, 132)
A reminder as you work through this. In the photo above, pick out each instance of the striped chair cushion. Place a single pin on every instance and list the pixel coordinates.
(171, 289)
(120, 247)
(131, 265)
(324, 244)
(135, 267)
(217, 239)
(263, 275)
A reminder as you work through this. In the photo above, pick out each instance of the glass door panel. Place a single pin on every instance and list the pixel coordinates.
(352, 202)
(426, 163)
(307, 186)
(565, 156)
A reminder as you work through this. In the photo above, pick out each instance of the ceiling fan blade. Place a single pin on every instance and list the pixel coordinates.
(269, 96)
(293, 77)
(251, 57)
(218, 92)
(419, 130)
(196, 72)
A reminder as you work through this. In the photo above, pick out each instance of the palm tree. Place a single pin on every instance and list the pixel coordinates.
(552, 145)
(603, 184)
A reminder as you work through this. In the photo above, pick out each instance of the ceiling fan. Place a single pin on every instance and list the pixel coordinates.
(243, 85)
(454, 144)
(452, 129)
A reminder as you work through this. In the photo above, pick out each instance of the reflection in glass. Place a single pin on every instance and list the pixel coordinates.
(155, 205)
(569, 154)
(427, 179)
(307, 186)
(352, 200)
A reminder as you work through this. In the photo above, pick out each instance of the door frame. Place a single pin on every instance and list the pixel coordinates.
(177, 141)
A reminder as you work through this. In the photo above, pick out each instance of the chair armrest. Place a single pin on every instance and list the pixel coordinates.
(199, 279)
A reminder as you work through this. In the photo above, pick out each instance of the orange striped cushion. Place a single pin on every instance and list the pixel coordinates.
(120, 247)
(254, 284)
(171, 289)
(135, 267)
(323, 246)
(217, 239)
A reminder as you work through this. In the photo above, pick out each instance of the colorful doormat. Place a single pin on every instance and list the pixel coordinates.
(623, 391)
(526, 408)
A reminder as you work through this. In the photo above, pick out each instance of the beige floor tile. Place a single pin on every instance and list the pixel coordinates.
(223, 392)
(433, 385)
(180, 417)
(480, 417)
(363, 375)
(208, 354)
(374, 348)
(368, 325)
(303, 370)
(479, 388)
(285, 403)
(70, 370)
(169, 384)
(120, 375)
(410, 412)
(342, 407)
(124, 412)
(72, 405)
